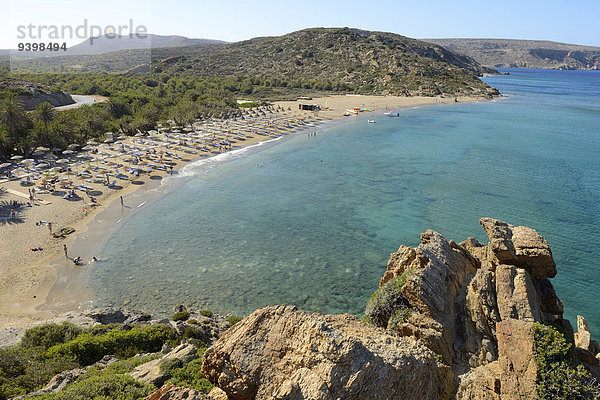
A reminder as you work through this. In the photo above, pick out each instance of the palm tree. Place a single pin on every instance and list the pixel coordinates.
(45, 113)
(14, 118)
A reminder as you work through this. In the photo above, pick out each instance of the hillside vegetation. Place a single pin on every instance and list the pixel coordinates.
(341, 59)
(507, 53)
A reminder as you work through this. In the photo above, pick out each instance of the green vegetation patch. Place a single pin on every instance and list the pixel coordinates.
(558, 377)
(387, 302)
(88, 348)
(181, 316)
(189, 375)
(233, 320)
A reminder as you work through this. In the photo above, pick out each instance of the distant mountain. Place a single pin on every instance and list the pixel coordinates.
(341, 59)
(508, 53)
(109, 44)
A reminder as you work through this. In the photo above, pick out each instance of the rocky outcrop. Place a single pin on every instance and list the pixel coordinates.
(284, 353)
(453, 321)
(32, 94)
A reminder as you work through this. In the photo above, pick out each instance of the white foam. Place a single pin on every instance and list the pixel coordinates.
(203, 164)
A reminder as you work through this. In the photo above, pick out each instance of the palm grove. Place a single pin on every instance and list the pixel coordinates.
(136, 104)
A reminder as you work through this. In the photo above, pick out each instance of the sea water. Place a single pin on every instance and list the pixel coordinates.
(311, 221)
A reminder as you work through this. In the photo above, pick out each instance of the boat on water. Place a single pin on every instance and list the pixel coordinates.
(371, 121)
(392, 114)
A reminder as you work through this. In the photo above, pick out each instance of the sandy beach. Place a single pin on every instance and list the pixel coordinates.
(26, 277)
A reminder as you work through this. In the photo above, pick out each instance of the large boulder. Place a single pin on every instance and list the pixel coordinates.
(520, 246)
(284, 353)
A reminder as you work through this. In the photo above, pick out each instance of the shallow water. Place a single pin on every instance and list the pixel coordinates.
(311, 221)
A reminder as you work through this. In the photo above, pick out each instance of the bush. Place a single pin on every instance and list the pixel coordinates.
(181, 316)
(87, 348)
(102, 387)
(233, 320)
(46, 336)
(192, 321)
(206, 313)
(558, 377)
(399, 316)
(387, 300)
(190, 376)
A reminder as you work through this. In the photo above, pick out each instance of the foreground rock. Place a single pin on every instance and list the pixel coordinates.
(453, 321)
(283, 353)
(151, 372)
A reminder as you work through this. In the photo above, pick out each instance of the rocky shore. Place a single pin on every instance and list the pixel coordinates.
(449, 321)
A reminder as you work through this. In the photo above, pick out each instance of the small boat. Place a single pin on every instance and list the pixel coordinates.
(371, 121)
(392, 114)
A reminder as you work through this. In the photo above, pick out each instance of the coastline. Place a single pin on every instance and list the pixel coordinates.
(37, 287)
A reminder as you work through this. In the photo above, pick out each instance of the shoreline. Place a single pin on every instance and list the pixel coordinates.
(38, 288)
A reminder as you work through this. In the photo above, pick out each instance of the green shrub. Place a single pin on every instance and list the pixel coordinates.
(386, 300)
(181, 316)
(233, 320)
(190, 376)
(103, 387)
(558, 377)
(46, 336)
(87, 348)
(399, 316)
(206, 313)
(249, 104)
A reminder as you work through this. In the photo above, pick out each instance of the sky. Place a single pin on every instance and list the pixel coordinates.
(575, 21)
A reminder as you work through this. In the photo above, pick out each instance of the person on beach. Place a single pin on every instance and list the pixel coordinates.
(121, 197)
(65, 249)
(50, 227)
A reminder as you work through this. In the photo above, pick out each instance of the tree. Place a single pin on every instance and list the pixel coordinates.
(16, 121)
(45, 113)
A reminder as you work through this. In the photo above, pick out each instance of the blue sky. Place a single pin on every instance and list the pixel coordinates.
(572, 22)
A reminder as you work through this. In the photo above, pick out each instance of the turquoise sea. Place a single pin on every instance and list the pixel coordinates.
(312, 221)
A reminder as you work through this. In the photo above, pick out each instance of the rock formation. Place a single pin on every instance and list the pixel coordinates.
(453, 321)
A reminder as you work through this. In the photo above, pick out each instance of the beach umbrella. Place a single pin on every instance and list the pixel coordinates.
(42, 148)
(5, 165)
(87, 148)
(68, 152)
(27, 161)
(73, 146)
(91, 142)
(55, 149)
(62, 161)
(16, 158)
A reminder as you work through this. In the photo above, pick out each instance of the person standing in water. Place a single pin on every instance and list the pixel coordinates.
(65, 249)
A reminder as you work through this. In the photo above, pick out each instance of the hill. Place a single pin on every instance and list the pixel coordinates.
(508, 53)
(341, 59)
(317, 59)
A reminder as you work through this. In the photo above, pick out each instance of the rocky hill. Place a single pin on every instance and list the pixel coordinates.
(507, 53)
(343, 58)
(32, 94)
